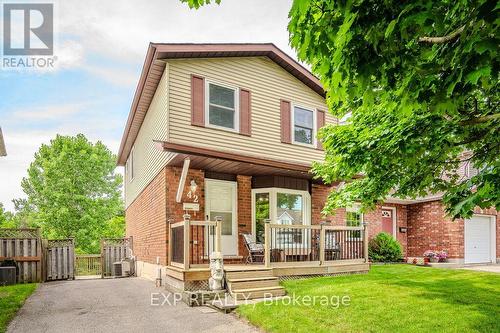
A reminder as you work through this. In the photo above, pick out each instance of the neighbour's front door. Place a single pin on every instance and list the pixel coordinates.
(387, 221)
(221, 201)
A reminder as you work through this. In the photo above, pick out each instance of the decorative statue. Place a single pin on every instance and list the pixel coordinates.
(217, 271)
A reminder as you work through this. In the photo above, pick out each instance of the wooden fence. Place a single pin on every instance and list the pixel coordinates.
(88, 264)
(113, 250)
(59, 259)
(24, 246)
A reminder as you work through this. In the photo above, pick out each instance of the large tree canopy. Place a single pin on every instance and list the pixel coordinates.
(72, 191)
(419, 82)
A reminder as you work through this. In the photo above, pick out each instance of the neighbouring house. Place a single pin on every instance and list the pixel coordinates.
(3, 151)
(227, 133)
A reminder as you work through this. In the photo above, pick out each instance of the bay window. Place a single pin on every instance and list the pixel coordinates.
(281, 206)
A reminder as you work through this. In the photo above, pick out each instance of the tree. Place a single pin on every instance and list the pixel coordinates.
(72, 190)
(419, 83)
(6, 218)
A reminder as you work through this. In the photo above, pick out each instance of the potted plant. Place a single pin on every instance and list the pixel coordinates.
(431, 255)
(442, 256)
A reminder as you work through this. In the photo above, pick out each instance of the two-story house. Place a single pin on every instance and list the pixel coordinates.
(227, 133)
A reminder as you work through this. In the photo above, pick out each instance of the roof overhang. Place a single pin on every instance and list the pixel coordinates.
(231, 163)
(154, 66)
(3, 151)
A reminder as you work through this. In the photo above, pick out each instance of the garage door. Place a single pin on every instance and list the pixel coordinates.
(478, 240)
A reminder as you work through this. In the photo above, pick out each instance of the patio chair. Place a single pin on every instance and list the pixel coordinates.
(255, 250)
(333, 249)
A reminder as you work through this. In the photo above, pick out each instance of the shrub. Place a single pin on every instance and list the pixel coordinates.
(384, 248)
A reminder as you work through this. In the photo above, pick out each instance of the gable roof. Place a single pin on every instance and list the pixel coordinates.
(153, 67)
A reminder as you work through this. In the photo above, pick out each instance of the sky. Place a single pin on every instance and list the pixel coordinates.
(100, 49)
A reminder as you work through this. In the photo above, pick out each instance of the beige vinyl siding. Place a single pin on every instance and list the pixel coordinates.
(149, 160)
(267, 82)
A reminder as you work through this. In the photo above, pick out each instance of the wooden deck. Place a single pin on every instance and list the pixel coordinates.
(291, 269)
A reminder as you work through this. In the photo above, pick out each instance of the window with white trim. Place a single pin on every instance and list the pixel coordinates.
(354, 218)
(303, 125)
(282, 206)
(222, 106)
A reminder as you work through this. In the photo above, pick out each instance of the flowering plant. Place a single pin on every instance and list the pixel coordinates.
(442, 255)
(436, 255)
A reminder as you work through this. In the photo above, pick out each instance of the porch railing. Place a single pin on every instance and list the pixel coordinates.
(289, 245)
(192, 242)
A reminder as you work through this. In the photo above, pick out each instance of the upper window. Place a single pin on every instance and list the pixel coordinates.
(222, 106)
(303, 126)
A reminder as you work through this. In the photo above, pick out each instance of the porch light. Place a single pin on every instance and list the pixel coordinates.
(186, 217)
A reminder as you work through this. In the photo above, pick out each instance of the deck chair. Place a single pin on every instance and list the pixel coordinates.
(255, 250)
(333, 249)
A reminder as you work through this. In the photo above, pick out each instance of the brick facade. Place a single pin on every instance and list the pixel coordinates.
(430, 229)
(319, 195)
(427, 226)
(146, 221)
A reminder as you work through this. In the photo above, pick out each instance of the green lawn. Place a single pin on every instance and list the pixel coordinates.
(391, 298)
(11, 300)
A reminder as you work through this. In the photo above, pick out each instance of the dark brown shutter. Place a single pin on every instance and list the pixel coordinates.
(320, 120)
(286, 119)
(197, 100)
(245, 112)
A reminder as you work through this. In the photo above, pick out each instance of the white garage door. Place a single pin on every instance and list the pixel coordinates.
(478, 240)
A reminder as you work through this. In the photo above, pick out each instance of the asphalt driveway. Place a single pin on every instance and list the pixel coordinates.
(115, 305)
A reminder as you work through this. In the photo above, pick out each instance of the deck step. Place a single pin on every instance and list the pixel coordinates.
(253, 293)
(249, 274)
(254, 279)
(249, 284)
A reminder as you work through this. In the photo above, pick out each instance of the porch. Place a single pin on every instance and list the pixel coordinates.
(287, 251)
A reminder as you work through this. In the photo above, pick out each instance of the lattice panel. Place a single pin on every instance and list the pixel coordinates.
(19, 233)
(298, 277)
(196, 285)
(60, 242)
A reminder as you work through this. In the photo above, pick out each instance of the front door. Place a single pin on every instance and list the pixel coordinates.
(387, 221)
(221, 201)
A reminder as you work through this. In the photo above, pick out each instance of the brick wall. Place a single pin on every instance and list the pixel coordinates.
(374, 218)
(430, 229)
(146, 221)
(244, 210)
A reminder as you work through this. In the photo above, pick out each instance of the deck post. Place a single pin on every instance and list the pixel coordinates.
(322, 244)
(169, 240)
(267, 243)
(218, 233)
(365, 240)
(187, 228)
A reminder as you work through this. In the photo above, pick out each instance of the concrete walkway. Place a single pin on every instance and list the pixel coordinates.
(115, 305)
(484, 268)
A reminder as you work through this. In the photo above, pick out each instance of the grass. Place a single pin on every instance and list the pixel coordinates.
(11, 300)
(390, 298)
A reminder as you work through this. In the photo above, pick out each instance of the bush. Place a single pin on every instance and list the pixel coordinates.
(384, 248)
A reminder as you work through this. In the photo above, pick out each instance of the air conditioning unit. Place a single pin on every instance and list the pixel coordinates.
(122, 268)
(7, 276)
(125, 267)
(117, 269)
